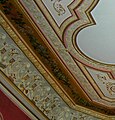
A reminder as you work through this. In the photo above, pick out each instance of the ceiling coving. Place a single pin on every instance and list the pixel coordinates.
(65, 49)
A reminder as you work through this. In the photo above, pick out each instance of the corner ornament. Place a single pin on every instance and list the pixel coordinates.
(58, 7)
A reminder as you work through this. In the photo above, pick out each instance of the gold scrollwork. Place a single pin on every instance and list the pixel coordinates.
(110, 87)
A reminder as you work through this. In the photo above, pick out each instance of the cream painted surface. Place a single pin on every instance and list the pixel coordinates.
(24, 74)
(104, 83)
(98, 41)
(58, 9)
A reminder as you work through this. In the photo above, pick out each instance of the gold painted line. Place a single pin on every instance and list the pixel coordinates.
(39, 65)
(22, 94)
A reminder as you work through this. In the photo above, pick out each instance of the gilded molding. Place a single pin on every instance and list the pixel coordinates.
(31, 57)
(60, 50)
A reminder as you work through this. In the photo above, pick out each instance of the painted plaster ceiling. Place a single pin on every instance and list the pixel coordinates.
(59, 55)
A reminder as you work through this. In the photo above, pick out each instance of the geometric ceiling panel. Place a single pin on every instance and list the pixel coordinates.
(48, 53)
(97, 41)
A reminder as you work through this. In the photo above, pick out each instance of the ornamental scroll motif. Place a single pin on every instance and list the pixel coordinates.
(111, 87)
(30, 81)
(58, 7)
(109, 83)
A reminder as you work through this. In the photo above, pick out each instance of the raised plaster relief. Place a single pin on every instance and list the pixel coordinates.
(30, 81)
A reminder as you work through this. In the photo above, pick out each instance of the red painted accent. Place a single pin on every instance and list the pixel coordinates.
(9, 110)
